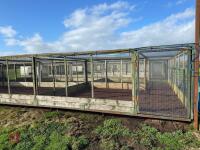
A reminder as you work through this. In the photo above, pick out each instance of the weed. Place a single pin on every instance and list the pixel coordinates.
(177, 140)
(110, 132)
(51, 114)
(4, 141)
(39, 142)
(151, 138)
(112, 128)
(47, 134)
(79, 143)
(58, 142)
(147, 136)
(108, 144)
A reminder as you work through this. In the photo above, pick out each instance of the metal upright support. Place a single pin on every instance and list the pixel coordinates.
(126, 68)
(168, 69)
(39, 73)
(92, 76)
(135, 79)
(3, 77)
(86, 72)
(189, 81)
(8, 77)
(55, 72)
(121, 72)
(1, 74)
(174, 71)
(71, 72)
(102, 74)
(113, 71)
(49, 70)
(34, 76)
(184, 89)
(66, 76)
(106, 73)
(53, 77)
(15, 73)
(60, 72)
(196, 65)
(24, 72)
(77, 80)
(178, 70)
(145, 73)
(96, 73)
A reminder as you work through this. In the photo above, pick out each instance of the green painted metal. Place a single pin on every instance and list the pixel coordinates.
(66, 76)
(8, 77)
(92, 76)
(34, 76)
(53, 76)
(135, 80)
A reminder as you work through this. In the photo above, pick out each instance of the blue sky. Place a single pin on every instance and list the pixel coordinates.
(37, 26)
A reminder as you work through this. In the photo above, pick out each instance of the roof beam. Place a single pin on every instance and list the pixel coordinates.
(99, 52)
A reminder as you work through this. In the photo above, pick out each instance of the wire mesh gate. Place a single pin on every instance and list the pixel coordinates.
(167, 90)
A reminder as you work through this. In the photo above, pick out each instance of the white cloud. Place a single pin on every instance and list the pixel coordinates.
(99, 27)
(177, 28)
(11, 41)
(117, 6)
(176, 3)
(10, 52)
(35, 44)
(88, 29)
(179, 2)
(7, 31)
(92, 28)
(98, 14)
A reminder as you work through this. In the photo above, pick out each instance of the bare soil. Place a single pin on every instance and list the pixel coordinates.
(157, 99)
(19, 116)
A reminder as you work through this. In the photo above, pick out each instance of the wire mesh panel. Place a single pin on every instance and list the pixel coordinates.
(157, 79)
(158, 70)
(53, 73)
(167, 87)
(16, 77)
(44, 71)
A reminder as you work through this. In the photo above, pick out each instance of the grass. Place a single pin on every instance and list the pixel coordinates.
(44, 136)
(112, 131)
(56, 130)
(52, 114)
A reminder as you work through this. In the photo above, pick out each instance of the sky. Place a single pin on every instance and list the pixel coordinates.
(40, 26)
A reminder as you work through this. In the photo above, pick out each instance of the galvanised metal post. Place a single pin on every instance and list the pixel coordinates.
(92, 76)
(106, 73)
(53, 77)
(34, 76)
(121, 72)
(8, 77)
(85, 71)
(66, 76)
(15, 73)
(135, 79)
(77, 80)
(196, 66)
(24, 72)
(145, 73)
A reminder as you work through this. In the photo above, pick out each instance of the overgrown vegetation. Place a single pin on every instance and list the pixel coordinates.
(55, 130)
(112, 132)
(43, 136)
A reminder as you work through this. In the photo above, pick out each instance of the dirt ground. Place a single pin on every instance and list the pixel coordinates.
(83, 123)
(157, 99)
(19, 116)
